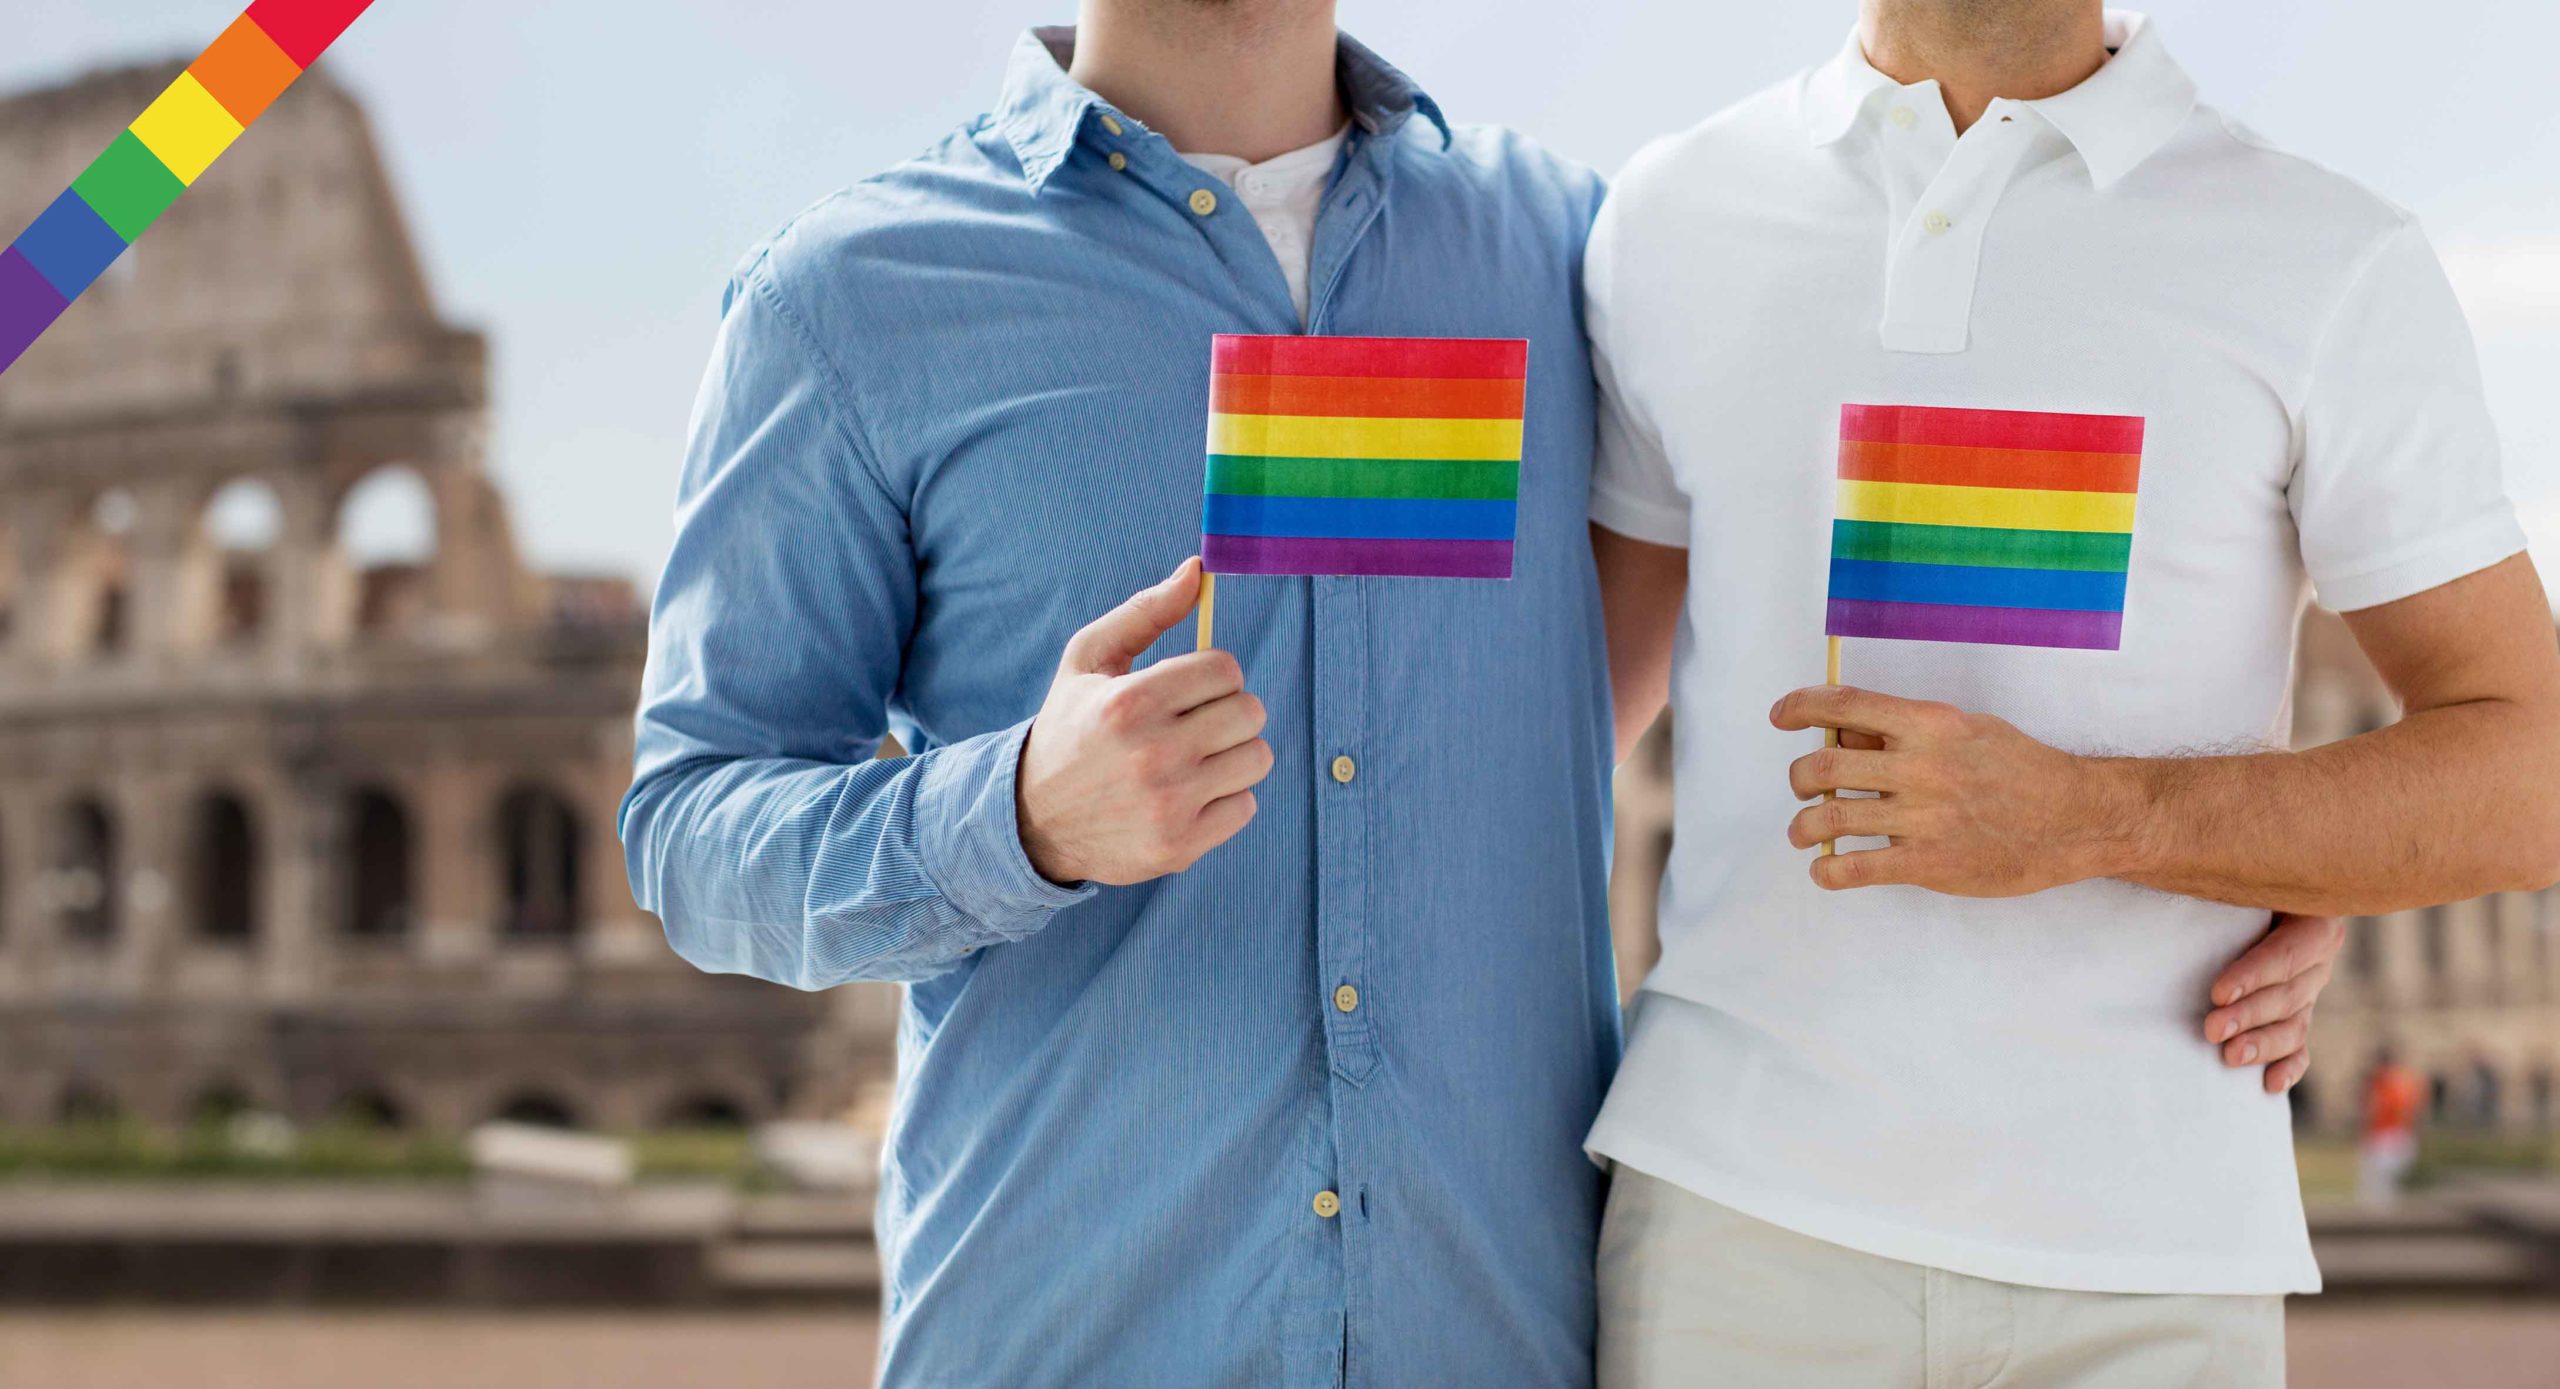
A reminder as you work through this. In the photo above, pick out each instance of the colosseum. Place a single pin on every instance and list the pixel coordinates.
(307, 781)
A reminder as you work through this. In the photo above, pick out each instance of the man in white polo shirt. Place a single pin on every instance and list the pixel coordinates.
(1991, 290)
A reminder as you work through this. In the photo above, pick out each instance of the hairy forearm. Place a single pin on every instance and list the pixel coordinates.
(2447, 804)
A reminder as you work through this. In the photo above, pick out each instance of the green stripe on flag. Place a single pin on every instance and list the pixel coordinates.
(1487, 479)
(128, 187)
(1902, 543)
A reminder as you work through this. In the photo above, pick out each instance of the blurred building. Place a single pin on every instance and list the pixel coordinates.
(2468, 993)
(288, 822)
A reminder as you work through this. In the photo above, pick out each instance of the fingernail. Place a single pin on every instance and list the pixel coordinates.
(2224, 1031)
(2248, 1053)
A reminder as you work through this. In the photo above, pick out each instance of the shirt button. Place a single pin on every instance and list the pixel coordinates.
(1328, 1205)
(1119, 161)
(1112, 126)
(1936, 222)
(1203, 201)
(1344, 769)
(1346, 999)
(1902, 116)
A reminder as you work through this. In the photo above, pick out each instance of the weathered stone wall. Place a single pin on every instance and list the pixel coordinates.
(280, 823)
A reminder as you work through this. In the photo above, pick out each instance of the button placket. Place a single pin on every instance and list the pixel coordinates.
(1342, 825)
(1937, 249)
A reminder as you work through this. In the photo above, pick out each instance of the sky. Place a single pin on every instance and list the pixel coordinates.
(581, 174)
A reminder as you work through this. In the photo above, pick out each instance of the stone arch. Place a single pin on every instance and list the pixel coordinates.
(536, 1106)
(370, 1107)
(381, 865)
(98, 575)
(230, 564)
(87, 894)
(386, 532)
(84, 1102)
(219, 1102)
(704, 1108)
(540, 837)
(223, 881)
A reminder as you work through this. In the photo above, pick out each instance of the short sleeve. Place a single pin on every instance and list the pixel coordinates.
(2398, 488)
(1632, 490)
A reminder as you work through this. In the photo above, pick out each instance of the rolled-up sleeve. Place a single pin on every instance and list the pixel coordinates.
(758, 827)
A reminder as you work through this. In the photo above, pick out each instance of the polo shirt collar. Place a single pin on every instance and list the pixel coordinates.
(2116, 119)
(2128, 109)
(1042, 111)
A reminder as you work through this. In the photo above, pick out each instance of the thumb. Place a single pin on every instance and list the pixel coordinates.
(1110, 642)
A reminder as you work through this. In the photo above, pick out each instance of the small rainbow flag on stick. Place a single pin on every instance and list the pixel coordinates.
(1380, 456)
(2005, 527)
(166, 149)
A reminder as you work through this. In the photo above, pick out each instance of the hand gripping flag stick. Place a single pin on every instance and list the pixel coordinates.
(1996, 527)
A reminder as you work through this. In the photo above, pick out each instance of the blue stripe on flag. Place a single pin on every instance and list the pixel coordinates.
(1360, 518)
(1982, 586)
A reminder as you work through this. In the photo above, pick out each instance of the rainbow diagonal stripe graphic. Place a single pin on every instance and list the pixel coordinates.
(1386, 456)
(166, 149)
(2008, 527)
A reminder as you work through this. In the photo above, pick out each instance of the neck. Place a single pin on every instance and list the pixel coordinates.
(1247, 78)
(1983, 50)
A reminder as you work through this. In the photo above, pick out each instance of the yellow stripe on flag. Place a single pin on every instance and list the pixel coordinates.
(186, 128)
(1323, 436)
(2000, 508)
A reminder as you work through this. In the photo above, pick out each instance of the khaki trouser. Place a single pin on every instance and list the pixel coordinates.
(1697, 1294)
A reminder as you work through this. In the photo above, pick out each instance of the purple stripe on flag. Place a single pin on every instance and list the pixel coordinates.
(28, 304)
(2093, 631)
(1425, 559)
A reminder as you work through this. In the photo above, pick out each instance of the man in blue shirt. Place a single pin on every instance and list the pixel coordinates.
(1310, 1111)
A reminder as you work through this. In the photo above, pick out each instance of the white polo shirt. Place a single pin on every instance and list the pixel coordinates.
(2017, 1089)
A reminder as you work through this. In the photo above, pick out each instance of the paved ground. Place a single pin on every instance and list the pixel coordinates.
(2341, 1346)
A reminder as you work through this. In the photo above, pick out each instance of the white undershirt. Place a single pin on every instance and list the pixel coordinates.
(1283, 193)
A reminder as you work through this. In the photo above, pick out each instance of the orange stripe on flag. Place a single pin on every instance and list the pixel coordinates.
(1374, 397)
(2045, 470)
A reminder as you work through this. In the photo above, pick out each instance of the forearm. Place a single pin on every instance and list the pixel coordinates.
(1641, 589)
(812, 874)
(2450, 803)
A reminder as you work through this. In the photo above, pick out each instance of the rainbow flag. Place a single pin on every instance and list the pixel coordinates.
(166, 149)
(1364, 456)
(2010, 527)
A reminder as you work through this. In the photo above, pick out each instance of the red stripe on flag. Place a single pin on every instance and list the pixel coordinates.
(1368, 397)
(1991, 429)
(304, 29)
(1447, 358)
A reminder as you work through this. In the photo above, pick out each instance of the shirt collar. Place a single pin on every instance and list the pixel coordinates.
(2128, 109)
(1043, 112)
(2116, 119)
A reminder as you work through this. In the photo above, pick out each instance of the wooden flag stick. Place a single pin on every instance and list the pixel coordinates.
(1831, 736)
(1209, 608)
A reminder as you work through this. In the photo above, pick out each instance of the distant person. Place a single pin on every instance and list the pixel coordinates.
(1257, 1004)
(2395, 1095)
(2487, 1097)
(2058, 393)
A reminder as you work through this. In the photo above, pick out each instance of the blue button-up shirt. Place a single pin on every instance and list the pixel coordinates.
(954, 414)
